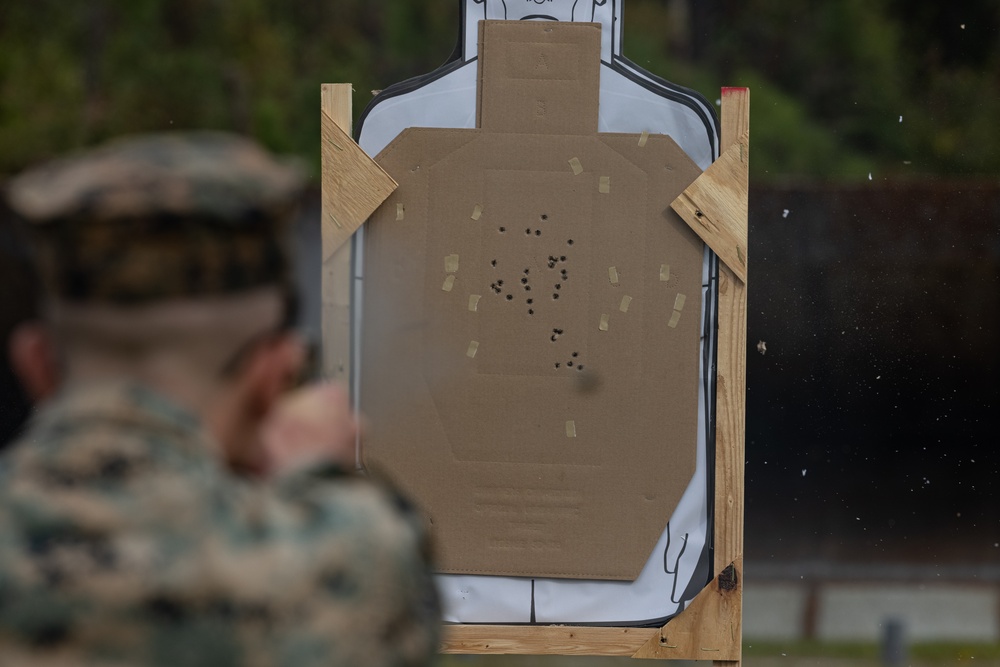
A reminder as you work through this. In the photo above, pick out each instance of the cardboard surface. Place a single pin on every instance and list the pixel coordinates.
(529, 369)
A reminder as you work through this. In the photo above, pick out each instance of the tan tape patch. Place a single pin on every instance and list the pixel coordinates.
(643, 138)
(477, 212)
(400, 211)
(603, 326)
(474, 302)
(674, 319)
(613, 275)
(575, 165)
(664, 272)
(451, 264)
(473, 348)
(571, 429)
(679, 302)
(605, 185)
(626, 302)
(449, 282)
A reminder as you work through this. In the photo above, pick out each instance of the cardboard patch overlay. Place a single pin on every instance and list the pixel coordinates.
(482, 439)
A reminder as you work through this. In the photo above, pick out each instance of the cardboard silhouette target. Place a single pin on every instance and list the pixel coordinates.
(631, 100)
(540, 373)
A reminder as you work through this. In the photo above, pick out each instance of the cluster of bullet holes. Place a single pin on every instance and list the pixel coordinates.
(563, 273)
(574, 362)
(525, 279)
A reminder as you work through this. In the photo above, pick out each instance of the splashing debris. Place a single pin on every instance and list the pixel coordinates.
(762, 347)
(784, 213)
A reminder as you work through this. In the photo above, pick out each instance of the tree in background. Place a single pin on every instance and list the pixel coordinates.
(830, 82)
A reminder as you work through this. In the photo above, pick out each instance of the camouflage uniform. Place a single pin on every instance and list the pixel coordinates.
(123, 540)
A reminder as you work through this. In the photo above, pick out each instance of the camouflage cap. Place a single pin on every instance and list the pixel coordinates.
(161, 216)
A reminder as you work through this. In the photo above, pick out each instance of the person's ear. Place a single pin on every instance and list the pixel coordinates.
(271, 369)
(33, 356)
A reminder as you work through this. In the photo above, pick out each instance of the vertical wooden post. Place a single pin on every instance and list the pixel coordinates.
(336, 100)
(731, 384)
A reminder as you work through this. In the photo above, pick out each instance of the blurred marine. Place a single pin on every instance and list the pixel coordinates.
(175, 500)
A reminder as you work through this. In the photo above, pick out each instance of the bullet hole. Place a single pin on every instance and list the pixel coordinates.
(528, 232)
(558, 331)
(557, 364)
(570, 364)
(538, 232)
(570, 242)
(552, 265)
(527, 288)
(545, 216)
(524, 281)
(576, 354)
(510, 297)
(555, 296)
(558, 286)
(552, 338)
(493, 286)
(527, 271)
(503, 230)
(580, 367)
(530, 301)
(563, 258)
(531, 312)
(493, 263)
(500, 283)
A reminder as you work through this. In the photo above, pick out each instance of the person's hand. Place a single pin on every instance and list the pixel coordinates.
(310, 426)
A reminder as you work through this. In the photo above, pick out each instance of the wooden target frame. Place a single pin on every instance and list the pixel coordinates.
(715, 207)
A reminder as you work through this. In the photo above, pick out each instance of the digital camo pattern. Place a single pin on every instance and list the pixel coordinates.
(212, 174)
(122, 541)
(152, 260)
(161, 216)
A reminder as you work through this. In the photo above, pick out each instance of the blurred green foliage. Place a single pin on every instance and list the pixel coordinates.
(830, 81)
